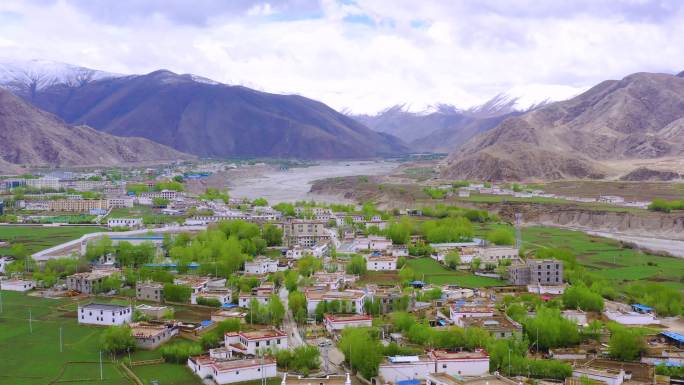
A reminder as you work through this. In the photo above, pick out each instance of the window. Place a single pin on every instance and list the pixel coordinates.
(443, 366)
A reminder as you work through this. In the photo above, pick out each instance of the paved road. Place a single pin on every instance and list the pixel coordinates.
(294, 339)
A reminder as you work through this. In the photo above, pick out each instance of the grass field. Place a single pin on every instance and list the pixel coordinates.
(34, 357)
(487, 198)
(431, 271)
(608, 256)
(37, 238)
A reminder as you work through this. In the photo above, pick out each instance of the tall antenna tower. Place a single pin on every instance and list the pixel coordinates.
(518, 235)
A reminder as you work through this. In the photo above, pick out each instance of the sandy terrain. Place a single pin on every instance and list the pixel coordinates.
(294, 184)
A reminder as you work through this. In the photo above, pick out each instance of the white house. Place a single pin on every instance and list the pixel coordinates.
(197, 284)
(124, 222)
(222, 296)
(371, 243)
(461, 363)
(250, 343)
(336, 322)
(261, 265)
(17, 285)
(381, 262)
(230, 371)
(261, 294)
(400, 368)
(354, 297)
(104, 314)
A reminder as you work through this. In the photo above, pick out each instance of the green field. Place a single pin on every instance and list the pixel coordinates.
(431, 271)
(487, 198)
(37, 238)
(33, 357)
(608, 256)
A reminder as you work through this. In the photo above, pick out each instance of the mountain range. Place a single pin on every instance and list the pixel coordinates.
(640, 117)
(34, 138)
(197, 115)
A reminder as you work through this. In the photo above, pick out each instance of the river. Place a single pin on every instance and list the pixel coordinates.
(294, 184)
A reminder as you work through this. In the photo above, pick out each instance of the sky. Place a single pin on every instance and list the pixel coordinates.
(360, 56)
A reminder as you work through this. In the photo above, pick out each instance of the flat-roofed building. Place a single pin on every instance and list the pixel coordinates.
(155, 312)
(231, 371)
(536, 272)
(222, 315)
(104, 314)
(337, 322)
(124, 222)
(354, 299)
(252, 342)
(446, 379)
(261, 265)
(381, 262)
(460, 311)
(289, 379)
(88, 282)
(77, 205)
(152, 335)
(499, 326)
(305, 233)
(20, 285)
(149, 291)
(606, 376)
(464, 364)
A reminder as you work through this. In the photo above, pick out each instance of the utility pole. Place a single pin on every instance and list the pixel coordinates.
(30, 322)
(61, 349)
(101, 373)
(518, 234)
(509, 362)
(0, 302)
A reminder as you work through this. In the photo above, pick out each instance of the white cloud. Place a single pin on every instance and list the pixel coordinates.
(364, 56)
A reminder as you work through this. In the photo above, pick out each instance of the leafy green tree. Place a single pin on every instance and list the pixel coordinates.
(302, 359)
(178, 353)
(260, 202)
(276, 310)
(291, 280)
(117, 339)
(452, 259)
(177, 293)
(308, 265)
(550, 330)
(626, 344)
(357, 265)
(581, 297)
(296, 301)
(272, 234)
(160, 202)
(501, 236)
(362, 350)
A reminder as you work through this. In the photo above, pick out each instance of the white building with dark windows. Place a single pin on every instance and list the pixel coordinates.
(252, 342)
(261, 265)
(20, 285)
(104, 314)
(231, 371)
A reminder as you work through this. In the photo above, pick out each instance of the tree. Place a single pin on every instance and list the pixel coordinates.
(260, 202)
(276, 310)
(400, 232)
(301, 359)
(357, 265)
(549, 329)
(160, 202)
(626, 344)
(452, 259)
(296, 301)
(178, 353)
(362, 350)
(501, 236)
(475, 264)
(272, 234)
(308, 265)
(581, 297)
(291, 280)
(117, 339)
(177, 293)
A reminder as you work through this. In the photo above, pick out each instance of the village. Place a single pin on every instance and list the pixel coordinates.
(239, 290)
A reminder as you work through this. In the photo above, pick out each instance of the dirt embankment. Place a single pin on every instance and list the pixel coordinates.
(630, 223)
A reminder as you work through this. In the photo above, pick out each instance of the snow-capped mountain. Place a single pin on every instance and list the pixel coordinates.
(40, 74)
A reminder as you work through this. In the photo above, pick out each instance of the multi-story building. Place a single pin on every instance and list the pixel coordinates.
(120, 202)
(305, 233)
(261, 294)
(124, 222)
(381, 262)
(352, 298)
(88, 282)
(537, 272)
(44, 183)
(104, 314)
(252, 342)
(149, 291)
(77, 205)
(261, 265)
(164, 194)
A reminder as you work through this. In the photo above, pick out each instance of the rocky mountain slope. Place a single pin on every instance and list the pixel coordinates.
(31, 137)
(439, 130)
(206, 118)
(638, 117)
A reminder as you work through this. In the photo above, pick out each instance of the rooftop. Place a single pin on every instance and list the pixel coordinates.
(259, 334)
(104, 306)
(334, 295)
(146, 330)
(347, 317)
(445, 355)
(225, 366)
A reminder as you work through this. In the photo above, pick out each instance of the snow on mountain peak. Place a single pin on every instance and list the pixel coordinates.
(39, 74)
